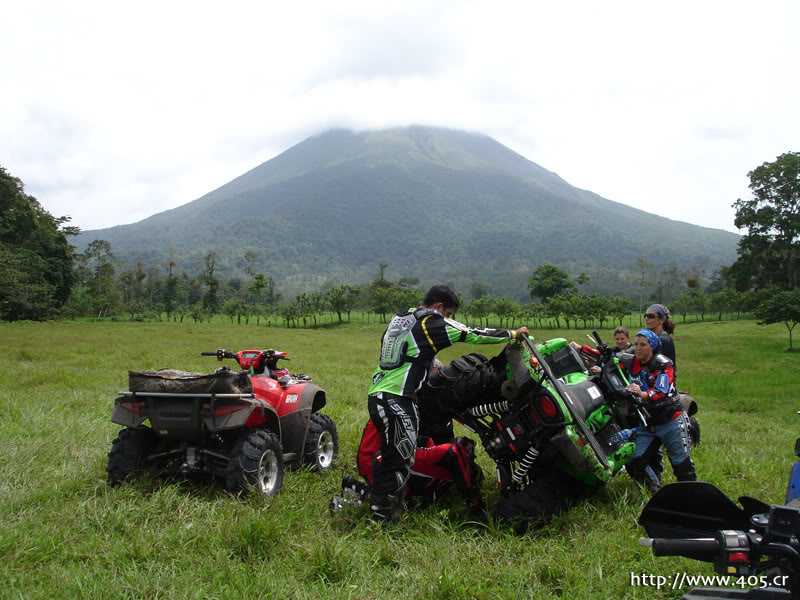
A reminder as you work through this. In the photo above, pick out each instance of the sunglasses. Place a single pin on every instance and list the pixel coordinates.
(650, 316)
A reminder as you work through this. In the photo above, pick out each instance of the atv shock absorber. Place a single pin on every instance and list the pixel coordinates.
(483, 410)
(525, 465)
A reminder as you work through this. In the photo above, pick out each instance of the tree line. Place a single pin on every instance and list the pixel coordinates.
(105, 289)
(42, 276)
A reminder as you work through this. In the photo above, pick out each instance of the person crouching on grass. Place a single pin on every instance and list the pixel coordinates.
(653, 381)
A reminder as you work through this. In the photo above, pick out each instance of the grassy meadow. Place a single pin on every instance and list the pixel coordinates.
(65, 534)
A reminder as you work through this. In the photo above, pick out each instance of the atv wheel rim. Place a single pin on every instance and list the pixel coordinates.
(268, 472)
(325, 449)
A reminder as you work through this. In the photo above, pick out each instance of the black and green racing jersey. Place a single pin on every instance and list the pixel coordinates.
(429, 333)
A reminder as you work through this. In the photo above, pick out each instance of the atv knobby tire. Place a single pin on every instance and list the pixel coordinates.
(128, 452)
(322, 443)
(256, 461)
(540, 501)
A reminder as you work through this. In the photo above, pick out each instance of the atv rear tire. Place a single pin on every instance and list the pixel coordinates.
(128, 452)
(256, 461)
(322, 443)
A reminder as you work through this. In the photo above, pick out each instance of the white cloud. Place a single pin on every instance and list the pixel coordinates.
(112, 113)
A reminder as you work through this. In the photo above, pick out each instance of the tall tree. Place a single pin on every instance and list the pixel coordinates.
(170, 286)
(382, 300)
(342, 299)
(271, 297)
(602, 307)
(671, 281)
(782, 307)
(769, 254)
(98, 260)
(682, 305)
(257, 287)
(36, 259)
(478, 290)
(620, 308)
(318, 303)
(481, 308)
(547, 281)
(380, 293)
(505, 308)
(249, 262)
(210, 298)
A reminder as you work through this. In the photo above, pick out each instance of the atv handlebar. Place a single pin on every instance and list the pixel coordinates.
(597, 338)
(220, 354)
(696, 548)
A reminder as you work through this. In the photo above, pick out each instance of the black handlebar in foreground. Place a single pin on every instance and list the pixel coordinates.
(696, 548)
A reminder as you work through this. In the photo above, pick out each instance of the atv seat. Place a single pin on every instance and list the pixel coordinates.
(586, 398)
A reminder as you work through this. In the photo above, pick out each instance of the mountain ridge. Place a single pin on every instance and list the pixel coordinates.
(336, 204)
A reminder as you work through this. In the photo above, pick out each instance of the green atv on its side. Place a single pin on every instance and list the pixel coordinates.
(555, 432)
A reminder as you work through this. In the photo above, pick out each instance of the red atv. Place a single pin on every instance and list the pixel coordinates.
(242, 426)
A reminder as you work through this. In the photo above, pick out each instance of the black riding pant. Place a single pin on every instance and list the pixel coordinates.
(397, 421)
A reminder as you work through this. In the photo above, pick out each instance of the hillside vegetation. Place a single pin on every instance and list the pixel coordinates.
(436, 203)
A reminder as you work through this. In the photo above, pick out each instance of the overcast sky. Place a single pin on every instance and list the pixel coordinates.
(111, 112)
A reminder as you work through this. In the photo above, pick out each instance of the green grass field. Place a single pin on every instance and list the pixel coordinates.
(65, 534)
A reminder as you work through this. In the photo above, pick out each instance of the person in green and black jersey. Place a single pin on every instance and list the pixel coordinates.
(408, 347)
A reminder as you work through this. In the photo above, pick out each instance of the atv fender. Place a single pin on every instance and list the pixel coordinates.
(260, 414)
(689, 404)
(125, 417)
(294, 426)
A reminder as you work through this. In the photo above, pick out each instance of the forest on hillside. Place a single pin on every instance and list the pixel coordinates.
(434, 204)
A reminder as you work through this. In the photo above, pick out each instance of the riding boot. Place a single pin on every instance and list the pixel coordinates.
(685, 471)
(354, 493)
(387, 507)
(354, 490)
(643, 474)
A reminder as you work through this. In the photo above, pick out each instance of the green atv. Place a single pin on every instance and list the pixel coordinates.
(555, 431)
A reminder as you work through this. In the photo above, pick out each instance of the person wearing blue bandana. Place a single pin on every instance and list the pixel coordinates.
(652, 378)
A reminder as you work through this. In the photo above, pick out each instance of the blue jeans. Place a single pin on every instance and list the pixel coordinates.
(674, 436)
